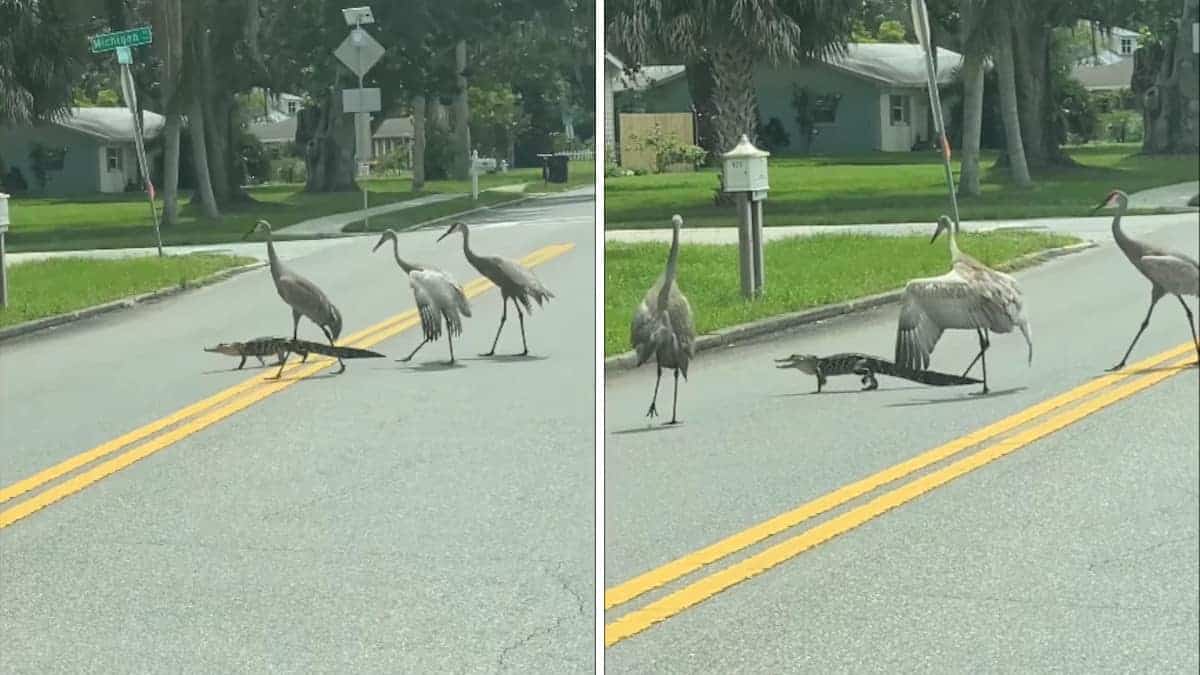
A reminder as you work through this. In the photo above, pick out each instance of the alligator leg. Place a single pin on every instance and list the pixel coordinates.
(282, 361)
(242, 363)
(653, 412)
(820, 378)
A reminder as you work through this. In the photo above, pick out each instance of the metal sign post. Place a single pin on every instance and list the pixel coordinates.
(921, 26)
(3, 268)
(359, 52)
(475, 175)
(122, 43)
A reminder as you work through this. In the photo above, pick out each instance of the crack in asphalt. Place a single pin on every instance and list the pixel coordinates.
(580, 603)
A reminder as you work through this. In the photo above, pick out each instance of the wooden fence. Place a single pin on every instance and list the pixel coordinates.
(635, 127)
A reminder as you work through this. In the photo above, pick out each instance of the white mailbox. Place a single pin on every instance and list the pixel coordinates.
(745, 168)
(3, 212)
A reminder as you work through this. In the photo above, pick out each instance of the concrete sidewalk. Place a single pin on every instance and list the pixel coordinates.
(1091, 228)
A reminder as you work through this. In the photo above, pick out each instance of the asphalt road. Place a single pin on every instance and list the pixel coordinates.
(394, 518)
(1078, 552)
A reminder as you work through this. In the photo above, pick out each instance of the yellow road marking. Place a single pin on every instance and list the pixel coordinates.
(660, 610)
(363, 338)
(691, 562)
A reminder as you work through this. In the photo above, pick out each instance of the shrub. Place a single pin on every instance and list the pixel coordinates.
(668, 150)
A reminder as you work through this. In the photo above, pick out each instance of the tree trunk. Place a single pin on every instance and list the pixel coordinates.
(171, 51)
(1008, 104)
(418, 153)
(1171, 105)
(328, 143)
(972, 123)
(735, 106)
(204, 190)
(1042, 125)
(462, 127)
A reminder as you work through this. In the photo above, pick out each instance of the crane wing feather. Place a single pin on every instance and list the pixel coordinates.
(1174, 273)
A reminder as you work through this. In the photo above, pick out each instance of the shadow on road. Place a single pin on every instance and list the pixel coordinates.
(433, 366)
(1143, 371)
(642, 430)
(508, 358)
(959, 399)
(843, 391)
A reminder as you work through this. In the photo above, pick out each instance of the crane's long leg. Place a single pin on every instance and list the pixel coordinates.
(341, 364)
(1191, 324)
(675, 399)
(521, 318)
(983, 345)
(414, 352)
(653, 411)
(450, 339)
(296, 329)
(503, 317)
(1155, 295)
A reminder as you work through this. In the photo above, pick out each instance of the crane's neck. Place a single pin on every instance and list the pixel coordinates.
(272, 256)
(470, 255)
(669, 274)
(955, 252)
(400, 261)
(1123, 241)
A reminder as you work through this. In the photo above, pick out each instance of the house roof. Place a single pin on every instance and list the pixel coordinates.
(897, 64)
(395, 127)
(111, 124)
(1109, 76)
(282, 131)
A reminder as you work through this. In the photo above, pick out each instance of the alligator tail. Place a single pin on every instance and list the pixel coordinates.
(304, 346)
(930, 377)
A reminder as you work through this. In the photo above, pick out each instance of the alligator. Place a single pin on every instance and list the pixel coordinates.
(866, 366)
(281, 347)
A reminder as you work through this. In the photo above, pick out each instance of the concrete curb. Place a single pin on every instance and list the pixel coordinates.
(97, 310)
(427, 223)
(725, 337)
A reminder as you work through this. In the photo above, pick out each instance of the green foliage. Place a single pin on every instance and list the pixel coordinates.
(772, 136)
(290, 170)
(106, 98)
(439, 152)
(668, 150)
(891, 31)
(395, 161)
(50, 287)
(1077, 110)
(253, 161)
(44, 160)
(1120, 126)
(497, 119)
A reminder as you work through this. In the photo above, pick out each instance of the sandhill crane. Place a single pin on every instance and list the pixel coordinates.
(662, 325)
(302, 296)
(514, 281)
(437, 294)
(971, 296)
(1168, 271)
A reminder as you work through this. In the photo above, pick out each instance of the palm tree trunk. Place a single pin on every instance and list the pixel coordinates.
(735, 106)
(1008, 104)
(972, 122)
(418, 150)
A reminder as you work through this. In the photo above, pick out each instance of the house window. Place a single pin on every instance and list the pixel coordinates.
(112, 159)
(1126, 46)
(292, 107)
(825, 108)
(899, 110)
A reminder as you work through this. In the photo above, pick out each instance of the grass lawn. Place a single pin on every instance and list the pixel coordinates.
(48, 287)
(891, 187)
(801, 273)
(123, 220)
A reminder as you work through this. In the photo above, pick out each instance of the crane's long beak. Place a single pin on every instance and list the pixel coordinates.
(1101, 206)
(935, 235)
(378, 244)
(446, 233)
(248, 234)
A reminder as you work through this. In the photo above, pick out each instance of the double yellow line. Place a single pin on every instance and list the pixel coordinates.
(1005, 436)
(183, 423)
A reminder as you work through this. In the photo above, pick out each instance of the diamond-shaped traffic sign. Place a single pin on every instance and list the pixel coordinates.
(359, 51)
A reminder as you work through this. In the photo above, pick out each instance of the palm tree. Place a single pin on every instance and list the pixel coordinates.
(732, 37)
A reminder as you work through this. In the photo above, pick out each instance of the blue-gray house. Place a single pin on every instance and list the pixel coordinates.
(871, 98)
(88, 150)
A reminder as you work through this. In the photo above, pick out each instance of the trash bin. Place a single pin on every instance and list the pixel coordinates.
(556, 169)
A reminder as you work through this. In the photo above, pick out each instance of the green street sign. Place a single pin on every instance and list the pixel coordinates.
(135, 37)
